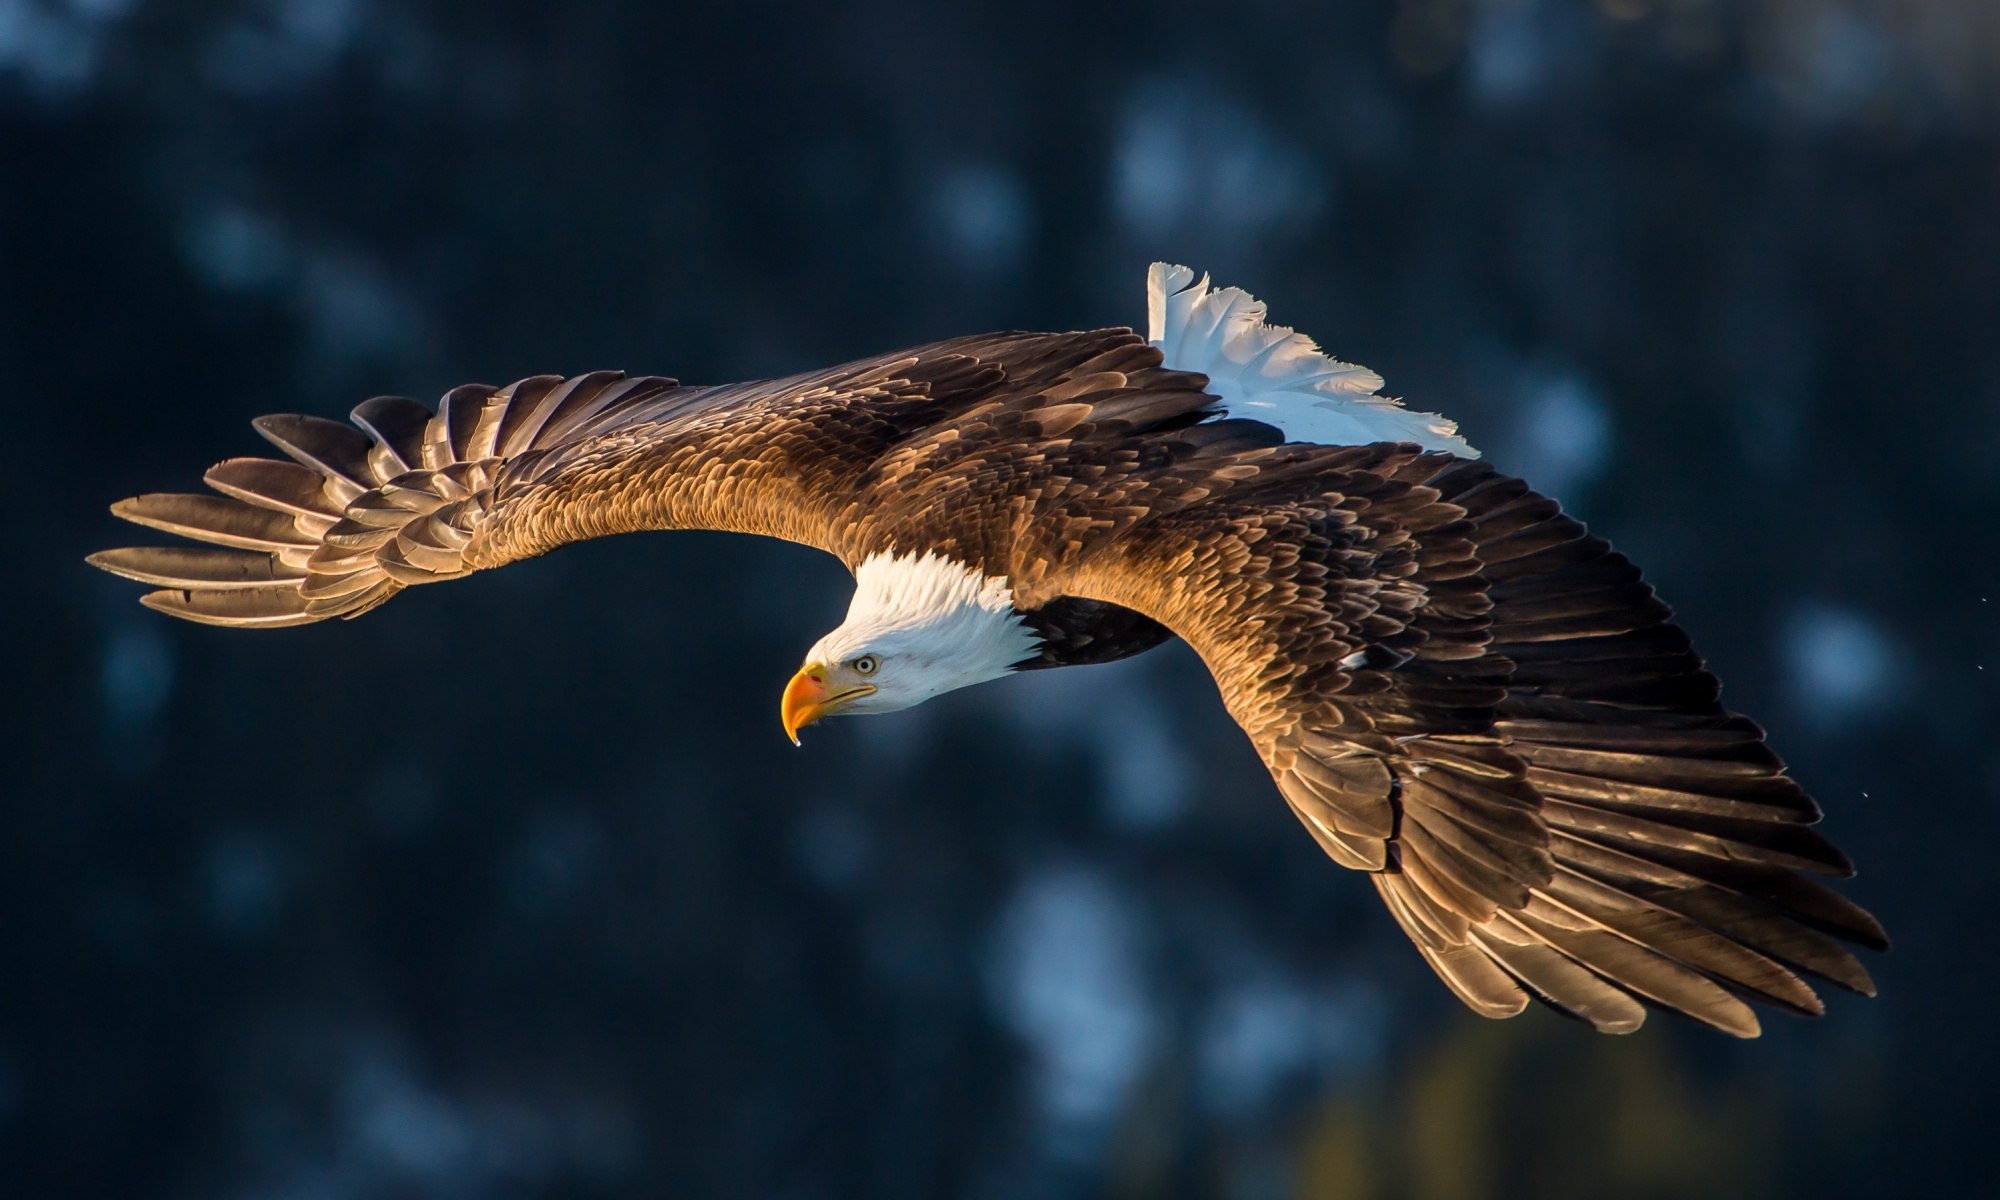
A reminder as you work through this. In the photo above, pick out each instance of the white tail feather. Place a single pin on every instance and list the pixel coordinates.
(1273, 374)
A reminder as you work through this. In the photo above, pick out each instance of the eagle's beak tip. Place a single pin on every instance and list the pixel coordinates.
(801, 704)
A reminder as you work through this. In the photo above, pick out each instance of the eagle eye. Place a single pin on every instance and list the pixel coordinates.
(865, 665)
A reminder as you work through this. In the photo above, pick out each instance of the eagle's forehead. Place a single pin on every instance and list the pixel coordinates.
(924, 584)
(932, 610)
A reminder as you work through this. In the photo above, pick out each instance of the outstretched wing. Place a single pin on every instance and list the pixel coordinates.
(406, 496)
(1460, 691)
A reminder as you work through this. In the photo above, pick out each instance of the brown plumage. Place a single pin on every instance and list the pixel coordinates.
(1456, 688)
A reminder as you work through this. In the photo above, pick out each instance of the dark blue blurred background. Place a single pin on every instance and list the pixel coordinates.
(515, 889)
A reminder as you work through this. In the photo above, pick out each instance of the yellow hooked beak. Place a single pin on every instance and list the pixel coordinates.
(806, 699)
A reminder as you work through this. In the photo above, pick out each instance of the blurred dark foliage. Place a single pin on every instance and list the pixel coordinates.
(514, 888)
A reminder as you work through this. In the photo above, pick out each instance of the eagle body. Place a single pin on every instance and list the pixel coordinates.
(1456, 688)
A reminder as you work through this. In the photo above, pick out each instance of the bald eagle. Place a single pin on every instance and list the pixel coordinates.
(1457, 689)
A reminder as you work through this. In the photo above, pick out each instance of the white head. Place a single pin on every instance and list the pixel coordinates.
(919, 626)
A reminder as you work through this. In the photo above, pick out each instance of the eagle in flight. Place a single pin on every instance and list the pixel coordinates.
(1458, 690)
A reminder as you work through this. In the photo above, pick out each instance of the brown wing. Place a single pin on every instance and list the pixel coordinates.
(405, 496)
(1460, 691)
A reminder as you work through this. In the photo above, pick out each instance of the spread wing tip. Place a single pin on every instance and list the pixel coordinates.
(355, 512)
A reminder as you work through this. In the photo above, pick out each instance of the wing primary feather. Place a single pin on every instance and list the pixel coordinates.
(522, 421)
(281, 486)
(336, 450)
(1560, 982)
(397, 426)
(213, 519)
(189, 567)
(251, 609)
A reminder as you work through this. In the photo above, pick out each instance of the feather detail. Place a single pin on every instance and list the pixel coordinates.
(360, 512)
(192, 567)
(1277, 375)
